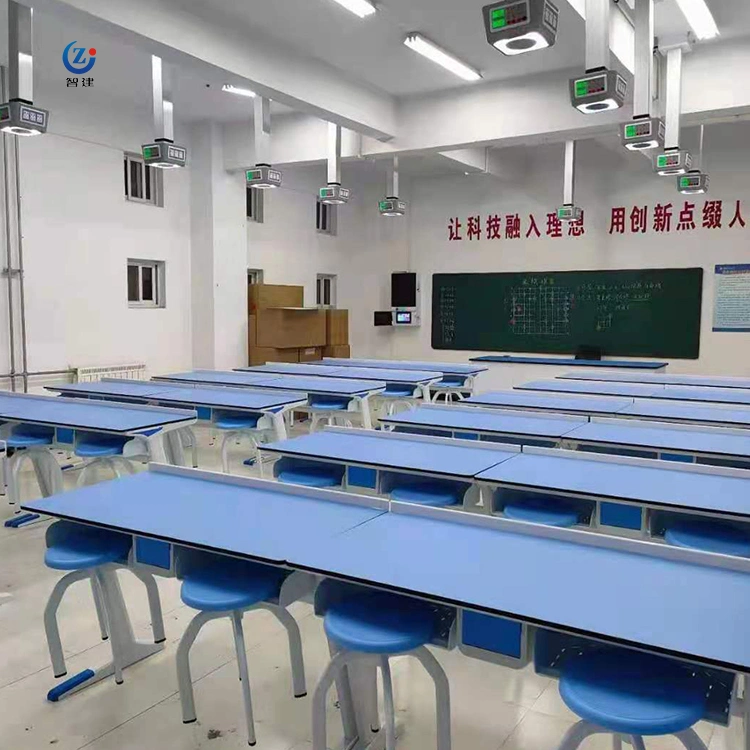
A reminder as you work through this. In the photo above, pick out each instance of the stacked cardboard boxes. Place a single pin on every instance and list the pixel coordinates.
(337, 334)
(280, 328)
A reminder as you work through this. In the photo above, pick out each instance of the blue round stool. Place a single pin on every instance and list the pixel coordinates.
(235, 424)
(102, 450)
(32, 442)
(225, 587)
(539, 509)
(435, 493)
(324, 407)
(709, 536)
(382, 624)
(626, 692)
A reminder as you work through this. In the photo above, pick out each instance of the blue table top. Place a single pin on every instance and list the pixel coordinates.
(383, 450)
(594, 590)
(79, 414)
(446, 368)
(596, 388)
(609, 591)
(549, 402)
(221, 397)
(571, 362)
(662, 436)
(679, 411)
(701, 381)
(268, 521)
(659, 483)
(406, 377)
(334, 386)
(639, 390)
(490, 421)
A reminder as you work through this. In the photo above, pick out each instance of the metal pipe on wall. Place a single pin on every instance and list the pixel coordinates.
(8, 248)
(67, 371)
(21, 273)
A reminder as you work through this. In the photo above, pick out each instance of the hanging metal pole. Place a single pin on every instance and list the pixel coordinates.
(334, 154)
(8, 253)
(673, 98)
(570, 174)
(21, 273)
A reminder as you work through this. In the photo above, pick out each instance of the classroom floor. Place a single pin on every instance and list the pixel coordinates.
(492, 707)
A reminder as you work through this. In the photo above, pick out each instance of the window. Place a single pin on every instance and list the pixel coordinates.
(146, 283)
(254, 204)
(254, 275)
(325, 290)
(142, 184)
(326, 218)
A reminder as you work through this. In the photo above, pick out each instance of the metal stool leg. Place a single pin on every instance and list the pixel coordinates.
(184, 680)
(51, 627)
(442, 696)
(225, 450)
(578, 733)
(295, 649)
(154, 603)
(239, 645)
(117, 655)
(14, 469)
(336, 670)
(100, 613)
(690, 739)
(390, 711)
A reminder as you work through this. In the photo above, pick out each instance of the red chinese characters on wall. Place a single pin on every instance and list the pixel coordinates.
(663, 218)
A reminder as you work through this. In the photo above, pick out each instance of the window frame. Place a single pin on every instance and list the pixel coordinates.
(255, 204)
(151, 181)
(158, 285)
(254, 275)
(326, 218)
(326, 282)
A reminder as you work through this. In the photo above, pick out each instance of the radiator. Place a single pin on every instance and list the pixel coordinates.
(90, 374)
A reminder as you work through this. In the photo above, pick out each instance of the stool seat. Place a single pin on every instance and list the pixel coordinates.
(394, 390)
(452, 380)
(379, 623)
(236, 421)
(329, 403)
(73, 546)
(97, 445)
(227, 585)
(629, 692)
(29, 435)
(541, 510)
(710, 536)
(312, 476)
(433, 493)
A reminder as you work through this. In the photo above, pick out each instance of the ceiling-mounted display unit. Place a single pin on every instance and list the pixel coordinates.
(643, 133)
(600, 89)
(693, 183)
(518, 26)
(439, 56)
(263, 176)
(19, 116)
(163, 152)
(391, 205)
(673, 162)
(569, 211)
(333, 194)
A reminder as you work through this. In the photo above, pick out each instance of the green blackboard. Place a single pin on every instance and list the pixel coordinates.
(654, 312)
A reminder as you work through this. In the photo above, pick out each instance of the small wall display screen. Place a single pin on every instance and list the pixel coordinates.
(403, 290)
(151, 152)
(403, 318)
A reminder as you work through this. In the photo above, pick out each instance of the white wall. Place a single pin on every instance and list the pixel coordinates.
(606, 177)
(79, 229)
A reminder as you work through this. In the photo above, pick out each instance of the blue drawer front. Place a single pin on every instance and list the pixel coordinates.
(620, 516)
(361, 477)
(153, 552)
(495, 634)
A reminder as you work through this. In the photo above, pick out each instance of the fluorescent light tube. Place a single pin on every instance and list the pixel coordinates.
(699, 17)
(431, 51)
(237, 90)
(360, 8)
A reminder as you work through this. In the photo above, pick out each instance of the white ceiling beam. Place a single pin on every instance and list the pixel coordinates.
(248, 58)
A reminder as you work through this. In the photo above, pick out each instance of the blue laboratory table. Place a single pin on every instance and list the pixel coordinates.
(700, 381)
(626, 364)
(357, 392)
(549, 402)
(205, 399)
(383, 452)
(659, 598)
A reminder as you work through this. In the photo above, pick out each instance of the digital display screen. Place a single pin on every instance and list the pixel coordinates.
(253, 174)
(32, 115)
(403, 317)
(403, 289)
(638, 129)
(4, 113)
(176, 153)
(509, 15)
(690, 182)
(386, 205)
(668, 160)
(326, 192)
(151, 152)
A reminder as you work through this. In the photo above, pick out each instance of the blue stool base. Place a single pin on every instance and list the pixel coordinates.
(21, 520)
(60, 690)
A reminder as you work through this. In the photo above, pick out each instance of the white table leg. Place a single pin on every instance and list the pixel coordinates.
(364, 405)
(157, 448)
(175, 451)
(122, 640)
(279, 425)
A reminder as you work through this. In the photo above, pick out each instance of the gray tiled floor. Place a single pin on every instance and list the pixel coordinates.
(492, 707)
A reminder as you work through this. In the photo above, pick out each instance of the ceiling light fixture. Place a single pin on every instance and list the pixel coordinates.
(699, 17)
(431, 51)
(237, 90)
(360, 8)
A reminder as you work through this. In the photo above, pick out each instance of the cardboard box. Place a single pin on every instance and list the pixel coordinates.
(311, 354)
(337, 327)
(252, 338)
(341, 351)
(259, 355)
(262, 296)
(291, 329)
